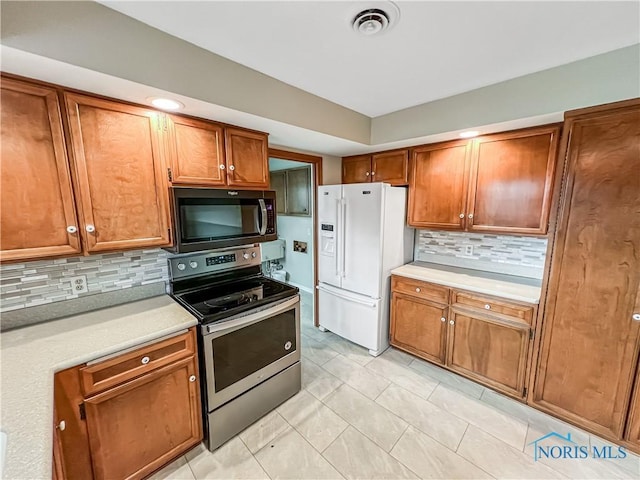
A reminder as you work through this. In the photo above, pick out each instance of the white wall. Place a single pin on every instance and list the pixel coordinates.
(299, 265)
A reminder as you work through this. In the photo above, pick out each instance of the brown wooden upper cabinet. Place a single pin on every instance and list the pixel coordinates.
(206, 153)
(38, 218)
(389, 167)
(121, 180)
(195, 149)
(247, 158)
(496, 183)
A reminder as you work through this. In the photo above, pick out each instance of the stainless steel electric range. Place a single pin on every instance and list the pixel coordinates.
(249, 336)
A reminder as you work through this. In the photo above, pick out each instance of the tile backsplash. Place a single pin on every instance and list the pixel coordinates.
(46, 281)
(515, 255)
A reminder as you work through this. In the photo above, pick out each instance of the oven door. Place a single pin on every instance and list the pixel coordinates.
(246, 350)
(207, 219)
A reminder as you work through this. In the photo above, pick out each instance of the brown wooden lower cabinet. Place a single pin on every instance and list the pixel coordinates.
(419, 326)
(491, 348)
(633, 425)
(490, 351)
(129, 430)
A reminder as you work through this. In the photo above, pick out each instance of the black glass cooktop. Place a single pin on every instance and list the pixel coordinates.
(219, 301)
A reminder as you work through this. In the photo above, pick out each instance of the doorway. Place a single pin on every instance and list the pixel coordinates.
(295, 178)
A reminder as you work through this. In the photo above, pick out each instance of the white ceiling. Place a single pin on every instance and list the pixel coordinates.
(434, 50)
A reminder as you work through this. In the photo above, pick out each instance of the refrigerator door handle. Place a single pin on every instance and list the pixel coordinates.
(337, 234)
(343, 234)
(344, 297)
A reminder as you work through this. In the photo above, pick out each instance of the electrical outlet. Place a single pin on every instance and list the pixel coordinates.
(79, 284)
(468, 250)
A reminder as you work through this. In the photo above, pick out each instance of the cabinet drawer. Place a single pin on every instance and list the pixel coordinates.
(113, 371)
(420, 289)
(488, 304)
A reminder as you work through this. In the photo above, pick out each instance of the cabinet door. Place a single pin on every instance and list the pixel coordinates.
(278, 182)
(38, 218)
(511, 181)
(589, 347)
(247, 158)
(120, 174)
(489, 350)
(356, 169)
(141, 425)
(633, 425)
(298, 191)
(419, 326)
(437, 186)
(390, 167)
(195, 149)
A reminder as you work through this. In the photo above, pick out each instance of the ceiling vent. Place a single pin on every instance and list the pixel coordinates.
(371, 21)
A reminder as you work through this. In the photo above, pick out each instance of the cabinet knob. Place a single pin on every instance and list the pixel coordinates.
(192, 378)
(418, 290)
(451, 322)
(470, 215)
(232, 168)
(367, 174)
(90, 228)
(461, 215)
(373, 173)
(72, 229)
(221, 167)
(487, 306)
(62, 425)
(636, 317)
(145, 360)
(442, 319)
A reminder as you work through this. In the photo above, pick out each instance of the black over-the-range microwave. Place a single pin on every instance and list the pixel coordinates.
(209, 218)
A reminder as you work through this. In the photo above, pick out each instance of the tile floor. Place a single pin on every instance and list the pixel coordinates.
(394, 416)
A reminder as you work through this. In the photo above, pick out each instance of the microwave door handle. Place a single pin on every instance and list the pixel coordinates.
(263, 213)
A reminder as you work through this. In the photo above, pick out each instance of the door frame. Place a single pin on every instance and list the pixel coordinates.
(316, 163)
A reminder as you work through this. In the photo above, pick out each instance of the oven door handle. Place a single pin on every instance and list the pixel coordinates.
(234, 324)
(263, 212)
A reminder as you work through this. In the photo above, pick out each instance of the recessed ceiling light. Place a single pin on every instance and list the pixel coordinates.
(470, 134)
(166, 103)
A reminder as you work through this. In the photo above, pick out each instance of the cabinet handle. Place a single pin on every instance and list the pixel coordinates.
(90, 228)
(636, 317)
(442, 319)
(418, 290)
(62, 425)
(145, 360)
(451, 322)
(192, 378)
(367, 174)
(232, 168)
(221, 167)
(72, 229)
(487, 306)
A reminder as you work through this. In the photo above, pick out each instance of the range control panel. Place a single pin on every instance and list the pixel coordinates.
(193, 264)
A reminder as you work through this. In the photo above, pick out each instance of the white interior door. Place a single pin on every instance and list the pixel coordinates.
(329, 255)
(362, 238)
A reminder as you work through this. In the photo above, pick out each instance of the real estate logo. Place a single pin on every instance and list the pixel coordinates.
(543, 448)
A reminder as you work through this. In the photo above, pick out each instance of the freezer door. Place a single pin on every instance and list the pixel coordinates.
(329, 252)
(362, 262)
(353, 317)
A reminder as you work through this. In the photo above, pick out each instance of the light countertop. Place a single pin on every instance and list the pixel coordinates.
(30, 356)
(500, 285)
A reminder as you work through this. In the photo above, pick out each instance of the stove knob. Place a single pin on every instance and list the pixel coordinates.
(254, 255)
(193, 264)
(181, 266)
(245, 255)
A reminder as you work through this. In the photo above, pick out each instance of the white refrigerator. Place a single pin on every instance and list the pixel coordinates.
(362, 237)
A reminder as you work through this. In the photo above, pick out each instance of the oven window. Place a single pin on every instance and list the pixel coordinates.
(245, 351)
(200, 222)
